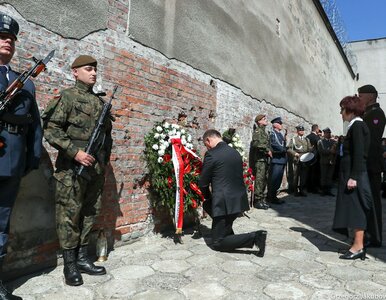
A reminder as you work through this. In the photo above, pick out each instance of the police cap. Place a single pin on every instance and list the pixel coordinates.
(300, 128)
(259, 117)
(327, 130)
(277, 120)
(8, 25)
(367, 89)
(84, 60)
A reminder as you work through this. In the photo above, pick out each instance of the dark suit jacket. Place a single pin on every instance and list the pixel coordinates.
(374, 118)
(22, 151)
(223, 172)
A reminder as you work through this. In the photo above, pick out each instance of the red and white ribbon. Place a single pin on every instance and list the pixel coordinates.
(178, 149)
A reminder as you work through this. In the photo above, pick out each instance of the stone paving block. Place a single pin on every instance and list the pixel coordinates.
(157, 295)
(245, 282)
(205, 259)
(202, 274)
(349, 272)
(143, 259)
(175, 254)
(165, 281)
(171, 266)
(73, 293)
(239, 267)
(117, 289)
(132, 272)
(320, 280)
(209, 291)
(246, 296)
(278, 274)
(367, 288)
(331, 294)
(287, 290)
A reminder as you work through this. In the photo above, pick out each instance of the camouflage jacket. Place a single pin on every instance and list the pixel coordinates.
(68, 124)
(260, 144)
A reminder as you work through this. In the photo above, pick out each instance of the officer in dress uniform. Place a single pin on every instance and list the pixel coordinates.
(68, 122)
(20, 136)
(327, 149)
(278, 161)
(374, 118)
(298, 146)
(260, 152)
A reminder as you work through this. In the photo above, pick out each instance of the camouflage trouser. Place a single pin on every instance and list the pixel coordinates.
(261, 180)
(78, 202)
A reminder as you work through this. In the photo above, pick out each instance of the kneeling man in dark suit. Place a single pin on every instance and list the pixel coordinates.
(221, 182)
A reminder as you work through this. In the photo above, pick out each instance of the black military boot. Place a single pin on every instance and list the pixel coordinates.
(85, 264)
(5, 295)
(71, 272)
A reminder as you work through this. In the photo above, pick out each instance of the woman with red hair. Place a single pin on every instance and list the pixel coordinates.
(354, 199)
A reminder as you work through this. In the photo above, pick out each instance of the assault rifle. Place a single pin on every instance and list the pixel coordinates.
(7, 95)
(97, 138)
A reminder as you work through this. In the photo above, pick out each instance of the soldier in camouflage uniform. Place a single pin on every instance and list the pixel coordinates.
(68, 123)
(260, 152)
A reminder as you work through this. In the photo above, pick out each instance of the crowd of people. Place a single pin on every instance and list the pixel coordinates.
(313, 162)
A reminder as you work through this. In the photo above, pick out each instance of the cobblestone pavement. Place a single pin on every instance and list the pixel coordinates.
(301, 262)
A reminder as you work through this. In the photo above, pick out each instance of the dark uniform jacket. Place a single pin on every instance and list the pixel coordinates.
(278, 147)
(374, 118)
(22, 151)
(223, 171)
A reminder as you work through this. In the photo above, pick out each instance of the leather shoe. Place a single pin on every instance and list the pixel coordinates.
(330, 194)
(276, 201)
(5, 295)
(260, 238)
(266, 204)
(259, 205)
(350, 255)
(303, 194)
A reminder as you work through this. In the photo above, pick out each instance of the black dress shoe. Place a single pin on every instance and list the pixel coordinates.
(5, 295)
(330, 194)
(266, 204)
(359, 254)
(276, 201)
(259, 205)
(260, 239)
(303, 194)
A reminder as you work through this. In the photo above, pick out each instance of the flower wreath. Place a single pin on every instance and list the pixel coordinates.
(170, 155)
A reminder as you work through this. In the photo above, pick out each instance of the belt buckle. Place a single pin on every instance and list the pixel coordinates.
(13, 129)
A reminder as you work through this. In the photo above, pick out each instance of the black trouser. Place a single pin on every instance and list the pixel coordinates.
(9, 187)
(224, 238)
(374, 222)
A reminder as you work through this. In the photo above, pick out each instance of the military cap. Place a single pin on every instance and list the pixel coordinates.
(84, 60)
(8, 25)
(300, 128)
(277, 120)
(368, 88)
(327, 130)
(259, 117)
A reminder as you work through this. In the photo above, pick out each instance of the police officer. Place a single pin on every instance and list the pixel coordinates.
(20, 136)
(327, 149)
(278, 161)
(374, 117)
(298, 146)
(260, 152)
(314, 170)
(68, 122)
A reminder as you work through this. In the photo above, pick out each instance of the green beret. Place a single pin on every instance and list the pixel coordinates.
(84, 60)
(259, 117)
(367, 89)
(8, 25)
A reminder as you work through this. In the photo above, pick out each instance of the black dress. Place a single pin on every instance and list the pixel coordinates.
(353, 206)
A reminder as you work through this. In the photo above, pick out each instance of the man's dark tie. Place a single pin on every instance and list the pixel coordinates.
(3, 78)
